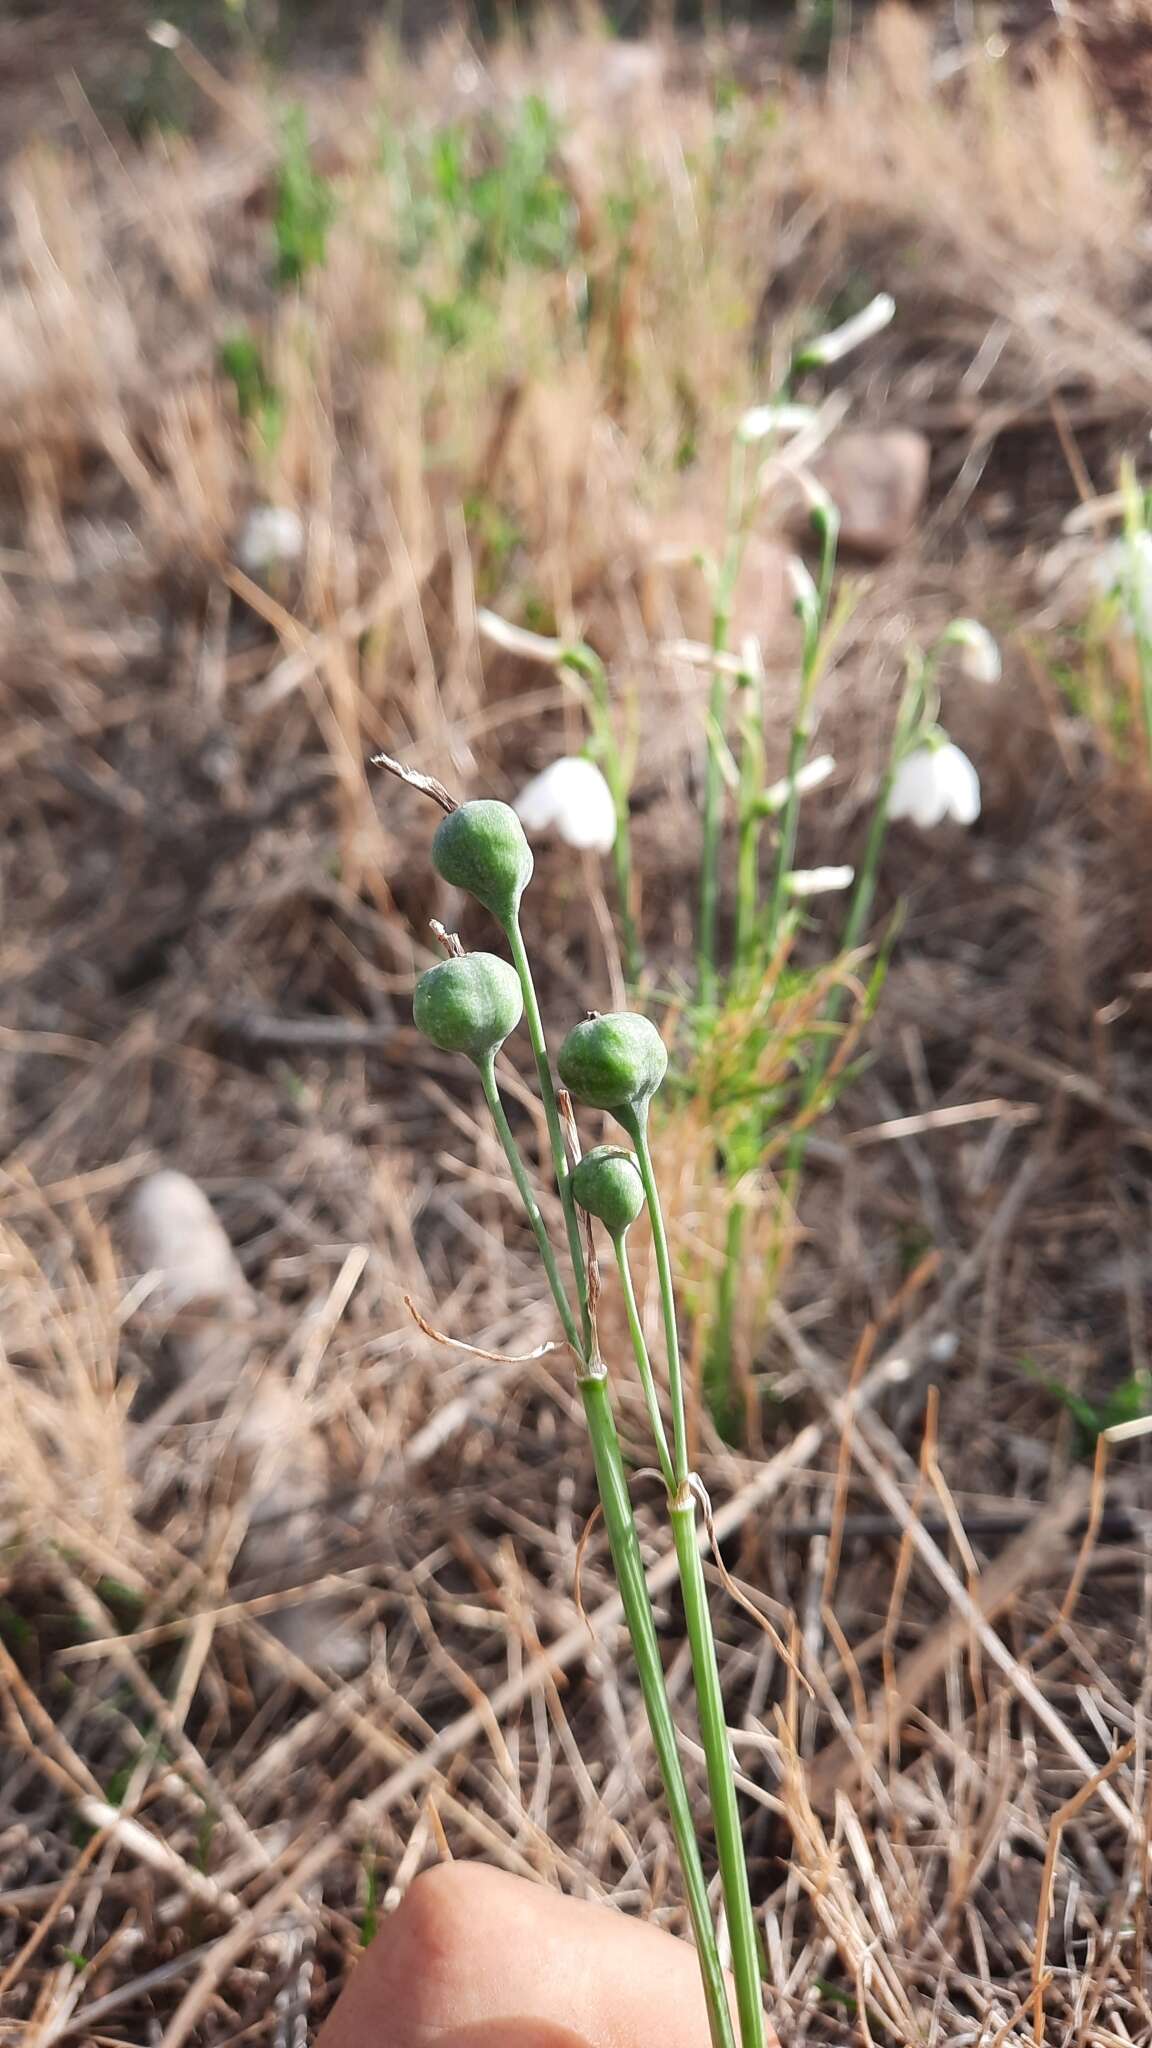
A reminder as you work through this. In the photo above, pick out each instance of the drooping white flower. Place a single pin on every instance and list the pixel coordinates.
(805, 596)
(979, 654)
(829, 348)
(518, 640)
(819, 881)
(810, 776)
(699, 655)
(1123, 569)
(571, 799)
(271, 534)
(761, 420)
(935, 783)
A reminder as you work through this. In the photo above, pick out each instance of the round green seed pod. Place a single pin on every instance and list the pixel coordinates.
(481, 847)
(469, 1005)
(607, 1183)
(613, 1062)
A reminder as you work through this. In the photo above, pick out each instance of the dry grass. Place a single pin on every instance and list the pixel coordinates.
(210, 927)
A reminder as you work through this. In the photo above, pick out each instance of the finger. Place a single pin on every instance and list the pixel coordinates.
(477, 1959)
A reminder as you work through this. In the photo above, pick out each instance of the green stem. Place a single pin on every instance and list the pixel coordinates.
(913, 710)
(552, 1119)
(751, 825)
(717, 706)
(616, 1502)
(643, 1362)
(710, 852)
(790, 822)
(718, 1370)
(725, 1811)
(828, 527)
(636, 1126)
(621, 1530)
(487, 1071)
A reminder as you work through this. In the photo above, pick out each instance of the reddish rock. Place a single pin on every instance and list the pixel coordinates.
(878, 479)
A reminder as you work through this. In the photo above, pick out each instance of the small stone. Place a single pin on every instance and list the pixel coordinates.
(176, 1237)
(878, 481)
(271, 535)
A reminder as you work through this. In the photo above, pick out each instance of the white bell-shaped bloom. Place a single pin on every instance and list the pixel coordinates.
(819, 881)
(979, 654)
(698, 655)
(271, 534)
(810, 776)
(1123, 570)
(517, 639)
(935, 783)
(762, 420)
(830, 348)
(571, 799)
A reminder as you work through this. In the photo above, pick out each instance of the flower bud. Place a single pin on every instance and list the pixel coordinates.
(481, 848)
(607, 1183)
(613, 1062)
(469, 1004)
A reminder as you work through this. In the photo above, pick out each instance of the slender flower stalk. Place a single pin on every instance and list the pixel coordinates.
(539, 1044)
(718, 1759)
(1138, 546)
(812, 603)
(909, 719)
(702, 1645)
(524, 1188)
(725, 591)
(636, 1126)
(621, 1530)
(644, 1365)
(749, 808)
(713, 1722)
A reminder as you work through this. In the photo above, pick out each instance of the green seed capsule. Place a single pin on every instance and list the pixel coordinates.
(607, 1183)
(613, 1062)
(482, 848)
(469, 1005)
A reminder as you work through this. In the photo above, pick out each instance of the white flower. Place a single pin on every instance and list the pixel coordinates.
(819, 881)
(979, 655)
(762, 420)
(518, 640)
(805, 596)
(748, 664)
(699, 655)
(810, 776)
(1123, 569)
(270, 534)
(935, 783)
(572, 799)
(828, 348)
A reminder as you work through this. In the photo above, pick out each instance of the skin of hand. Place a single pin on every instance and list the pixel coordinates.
(474, 1958)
